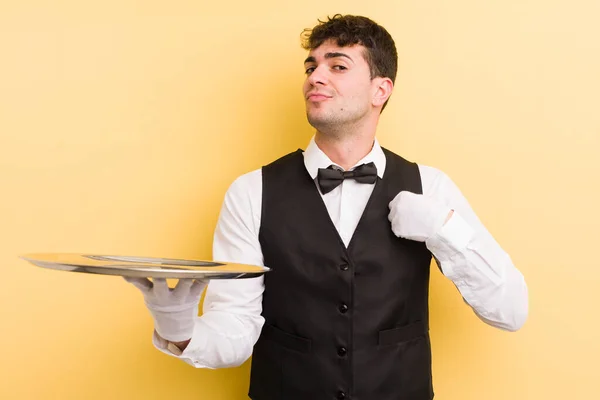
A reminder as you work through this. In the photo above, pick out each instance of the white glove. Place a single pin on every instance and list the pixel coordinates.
(417, 217)
(174, 310)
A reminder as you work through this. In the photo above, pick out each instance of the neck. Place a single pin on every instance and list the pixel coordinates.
(345, 150)
(347, 143)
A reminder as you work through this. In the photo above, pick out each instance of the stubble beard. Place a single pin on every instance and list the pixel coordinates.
(335, 125)
(324, 122)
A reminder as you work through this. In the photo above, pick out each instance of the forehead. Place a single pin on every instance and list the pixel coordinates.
(330, 47)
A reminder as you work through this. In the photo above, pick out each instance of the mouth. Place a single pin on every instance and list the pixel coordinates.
(317, 97)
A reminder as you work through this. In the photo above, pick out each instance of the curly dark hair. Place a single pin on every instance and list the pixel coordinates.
(348, 30)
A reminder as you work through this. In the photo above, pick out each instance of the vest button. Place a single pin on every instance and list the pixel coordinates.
(344, 267)
(343, 308)
(341, 395)
(342, 351)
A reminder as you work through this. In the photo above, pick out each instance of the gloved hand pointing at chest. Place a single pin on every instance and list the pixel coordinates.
(417, 217)
(173, 310)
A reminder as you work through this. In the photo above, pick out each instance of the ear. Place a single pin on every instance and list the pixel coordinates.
(383, 90)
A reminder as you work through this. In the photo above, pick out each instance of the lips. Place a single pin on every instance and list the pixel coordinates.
(315, 96)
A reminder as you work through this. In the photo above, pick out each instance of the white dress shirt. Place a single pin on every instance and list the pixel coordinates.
(465, 251)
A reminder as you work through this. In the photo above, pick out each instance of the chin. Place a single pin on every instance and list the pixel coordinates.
(318, 121)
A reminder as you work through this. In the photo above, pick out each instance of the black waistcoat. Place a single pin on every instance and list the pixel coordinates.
(340, 323)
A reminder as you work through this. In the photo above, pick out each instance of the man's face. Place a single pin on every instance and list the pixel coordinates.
(338, 88)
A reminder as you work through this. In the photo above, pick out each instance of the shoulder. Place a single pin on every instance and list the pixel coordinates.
(242, 203)
(251, 183)
(436, 182)
(245, 185)
(390, 155)
(288, 159)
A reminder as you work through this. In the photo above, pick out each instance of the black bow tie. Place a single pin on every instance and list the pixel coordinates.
(330, 178)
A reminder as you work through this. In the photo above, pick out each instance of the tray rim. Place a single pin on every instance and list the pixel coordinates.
(143, 270)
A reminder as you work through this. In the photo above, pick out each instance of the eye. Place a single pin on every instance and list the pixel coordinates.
(339, 67)
(309, 70)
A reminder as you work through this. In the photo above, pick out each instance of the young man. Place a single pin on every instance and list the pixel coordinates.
(348, 229)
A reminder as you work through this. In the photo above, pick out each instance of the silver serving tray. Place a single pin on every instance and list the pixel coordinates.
(143, 267)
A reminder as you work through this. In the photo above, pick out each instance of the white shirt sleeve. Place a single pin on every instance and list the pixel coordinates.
(230, 325)
(469, 256)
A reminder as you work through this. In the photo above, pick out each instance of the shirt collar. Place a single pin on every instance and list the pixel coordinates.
(314, 158)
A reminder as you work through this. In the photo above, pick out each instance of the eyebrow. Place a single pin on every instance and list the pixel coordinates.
(327, 56)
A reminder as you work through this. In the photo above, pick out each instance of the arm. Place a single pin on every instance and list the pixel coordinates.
(225, 334)
(468, 255)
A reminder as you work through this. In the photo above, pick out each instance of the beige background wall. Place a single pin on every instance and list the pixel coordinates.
(113, 115)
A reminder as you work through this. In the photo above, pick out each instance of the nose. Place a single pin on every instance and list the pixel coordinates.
(318, 76)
